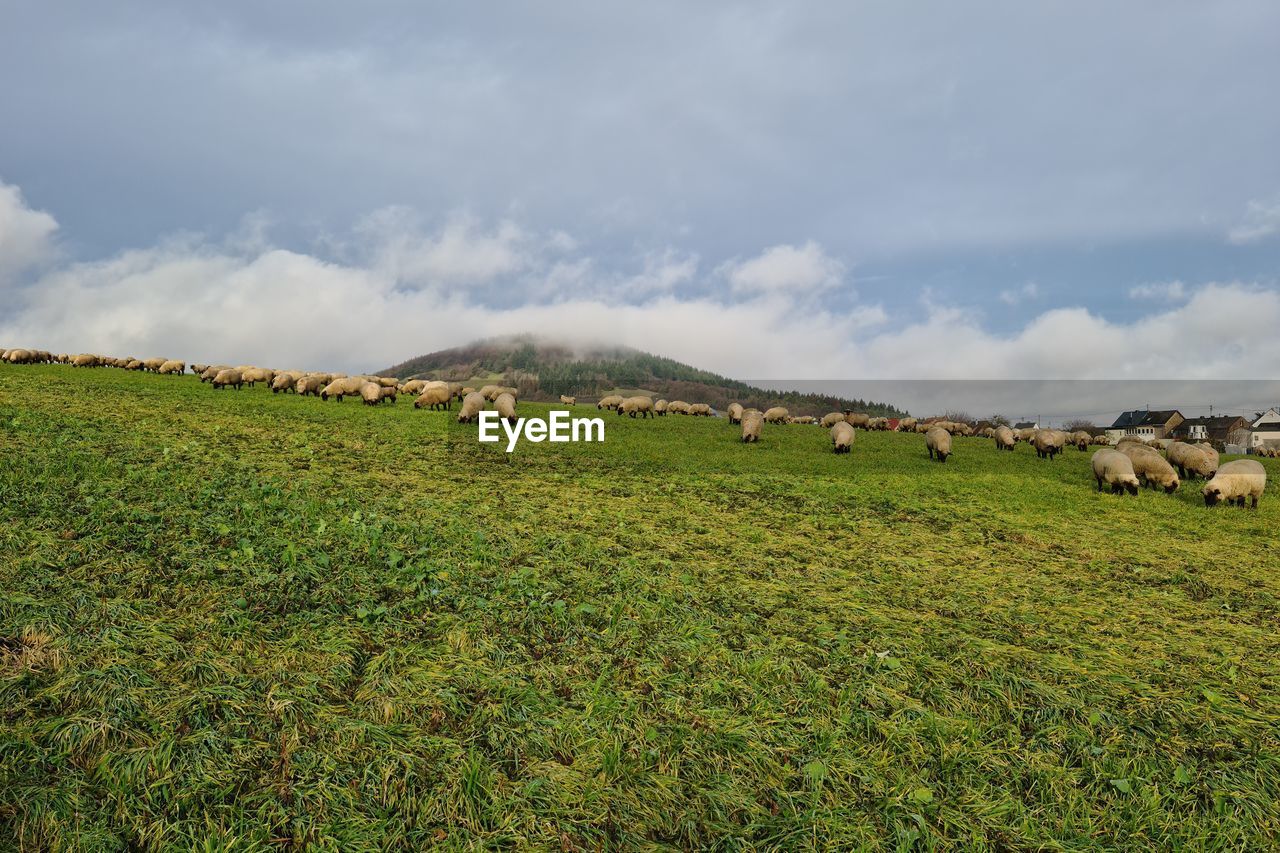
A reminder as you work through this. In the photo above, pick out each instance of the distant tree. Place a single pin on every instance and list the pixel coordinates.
(1000, 420)
(1078, 425)
(959, 417)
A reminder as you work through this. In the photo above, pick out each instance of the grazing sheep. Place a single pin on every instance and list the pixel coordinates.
(197, 369)
(1081, 439)
(491, 392)
(506, 407)
(906, 424)
(776, 415)
(253, 375)
(878, 424)
(633, 406)
(856, 419)
(310, 384)
(1209, 451)
(228, 376)
(612, 401)
(802, 419)
(172, 367)
(751, 421)
(1026, 434)
(832, 418)
(1235, 481)
(134, 364)
(841, 436)
(437, 397)
(413, 387)
(1004, 438)
(387, 381)
(206, 375)
(568, 401)
(700, 410)
(371, 393)
(1048, 442)
(153, 364)
(1186, 457)
(465, 390)
(1101, 441)
(734, 411)
(345, 386)
(660, 408)
(1152, 469)
(677, 407)
(283, 382)
(938, 442)
(471, 406)
(84, 360)
(1116, 470)
(390, 393)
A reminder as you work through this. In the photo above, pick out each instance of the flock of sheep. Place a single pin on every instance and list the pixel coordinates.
(1133, 462)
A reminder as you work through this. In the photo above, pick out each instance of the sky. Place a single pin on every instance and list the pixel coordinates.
(802, 191)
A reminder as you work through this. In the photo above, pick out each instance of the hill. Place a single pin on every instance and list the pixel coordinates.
(238, 620)
(543, 370)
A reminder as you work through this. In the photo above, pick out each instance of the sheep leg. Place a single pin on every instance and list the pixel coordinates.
(1255, 502)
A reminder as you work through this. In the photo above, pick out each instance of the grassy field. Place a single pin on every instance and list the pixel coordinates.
(239, 621)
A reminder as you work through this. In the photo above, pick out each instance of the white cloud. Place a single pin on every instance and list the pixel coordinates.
(785, 268)
(26, 235)
(244, 300)
(1260, 222)
(1164, 291)
(459, 254)
(1030, 290)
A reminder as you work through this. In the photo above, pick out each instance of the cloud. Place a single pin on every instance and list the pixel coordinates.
(1165, 291)
(26, 235)
(1260, 222)
(784, 268)
(1030, 290)
(244, 300)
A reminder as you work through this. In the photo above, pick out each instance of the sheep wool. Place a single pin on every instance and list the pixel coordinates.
(632, 406)
(1151, 468)
(776, 415)
(1186, 457)
(1004, 438)
(751, 421)
(1115, 470)
(612, 401)
(734, 411)
(841, 437)
(938, 442)
(472, 404)
(1235, 481)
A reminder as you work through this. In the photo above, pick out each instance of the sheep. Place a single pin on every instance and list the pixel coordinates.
(506, 406)
(1152, 469)
(1186, 458)
(153, 364)
(389, 393)
(1080, 439)
(283, 382)
(310, 384)
(568, 401)
(134, 364)
(371, 393)
(206, 376)
(174, 367)
(436, 397)
(776, 415)
(830, 419)
(802, 419)
(18, 356)
(734, 411)
(465, 390)
(700, 410)
(938, 441)
(413, 387)
(491, 392)
(342, 387)
(612, 401)
(906, 424)
(254, 375)
(1235, 481)
(1210, 451)
(197, 369)
(678, 407)
(878, 424)
(1026, 434)
(228, 376)
(751, 421)
(1101, 440)
(632, 406)
(387, 381)
(841, 436)
(471, 406)
(1048, 442)
(856, 419)
(84, 360)
(1116, 470)
(1004, 438)
(660, 408)
(457, 391)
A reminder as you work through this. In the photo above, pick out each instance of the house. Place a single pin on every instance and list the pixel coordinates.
(1144, 423)
(1218, 430)
(1026, 425)
(1265, 429)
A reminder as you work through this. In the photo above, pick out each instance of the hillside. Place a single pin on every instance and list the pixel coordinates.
(543, 370)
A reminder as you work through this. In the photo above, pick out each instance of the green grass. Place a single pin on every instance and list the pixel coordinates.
(245, 621)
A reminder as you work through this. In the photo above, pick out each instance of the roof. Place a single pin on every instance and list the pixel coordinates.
(1144, 417)
(1219, 421)
(1270, 414)
(1024, 425)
